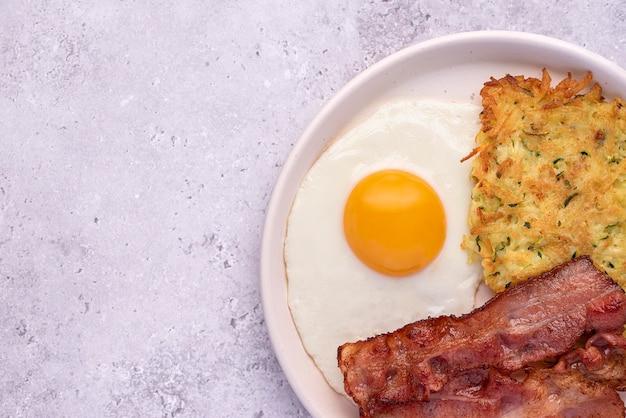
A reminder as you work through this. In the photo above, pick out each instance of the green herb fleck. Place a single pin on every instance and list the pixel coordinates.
(569, 199)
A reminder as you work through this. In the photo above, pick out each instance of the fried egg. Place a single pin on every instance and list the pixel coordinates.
(373, 236)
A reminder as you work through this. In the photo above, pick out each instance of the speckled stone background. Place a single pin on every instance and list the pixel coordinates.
(140, 141)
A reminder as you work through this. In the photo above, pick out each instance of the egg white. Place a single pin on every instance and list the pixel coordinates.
(333, 297)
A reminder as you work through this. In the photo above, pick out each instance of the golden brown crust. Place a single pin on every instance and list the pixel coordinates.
(550, 179)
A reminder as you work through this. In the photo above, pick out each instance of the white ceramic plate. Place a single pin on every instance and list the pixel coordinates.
(452, 67)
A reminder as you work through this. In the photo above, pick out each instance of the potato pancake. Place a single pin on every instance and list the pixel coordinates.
(550, 181)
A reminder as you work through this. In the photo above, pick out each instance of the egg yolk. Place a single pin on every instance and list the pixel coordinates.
(394, 222)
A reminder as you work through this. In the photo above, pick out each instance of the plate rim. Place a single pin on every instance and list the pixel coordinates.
(269, 233)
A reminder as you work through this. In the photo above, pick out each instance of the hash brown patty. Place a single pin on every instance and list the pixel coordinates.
(550, 181)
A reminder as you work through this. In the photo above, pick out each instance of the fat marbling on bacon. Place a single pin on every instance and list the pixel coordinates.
(541, 318)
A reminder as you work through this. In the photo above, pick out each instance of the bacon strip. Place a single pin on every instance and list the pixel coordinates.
(601, 359)
(490, 393)
(529, 322)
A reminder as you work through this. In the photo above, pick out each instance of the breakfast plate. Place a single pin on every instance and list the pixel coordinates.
(450, 68)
